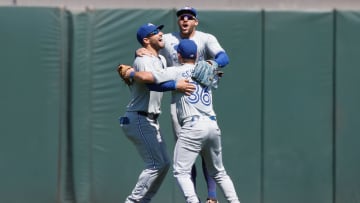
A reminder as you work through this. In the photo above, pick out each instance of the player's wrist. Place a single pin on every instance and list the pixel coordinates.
(129, 74)
(132, 74)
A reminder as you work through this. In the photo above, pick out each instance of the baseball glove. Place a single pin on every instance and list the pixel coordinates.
(122, 69)
(207, 73)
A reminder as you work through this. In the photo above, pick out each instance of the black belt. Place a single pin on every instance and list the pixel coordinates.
(152, 116)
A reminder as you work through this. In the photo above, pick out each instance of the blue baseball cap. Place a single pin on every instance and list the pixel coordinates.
(145, 30)
(187, 49)
(186, 10)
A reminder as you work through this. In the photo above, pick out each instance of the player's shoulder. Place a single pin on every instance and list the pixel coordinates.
(143, 61)
(188, 66)
(203, 35)
(187, 70)
(171, 35)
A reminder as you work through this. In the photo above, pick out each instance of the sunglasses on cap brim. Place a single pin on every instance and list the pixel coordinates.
(155, 32)
(187, 17)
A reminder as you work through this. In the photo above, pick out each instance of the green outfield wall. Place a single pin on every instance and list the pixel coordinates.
(288, 105)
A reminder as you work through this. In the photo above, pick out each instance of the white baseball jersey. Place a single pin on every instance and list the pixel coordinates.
(199, 103)
(142, 99)
(200, 134)
(207, 45)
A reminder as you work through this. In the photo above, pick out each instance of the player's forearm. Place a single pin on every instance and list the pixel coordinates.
(162, 87)
(142, 76)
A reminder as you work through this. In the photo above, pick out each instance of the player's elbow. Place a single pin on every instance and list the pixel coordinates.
(222, 59)
(145, 77)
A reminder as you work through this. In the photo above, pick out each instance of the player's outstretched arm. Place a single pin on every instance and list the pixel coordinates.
(183, 86)
(147, 77)
(128, 74)
(140, 76)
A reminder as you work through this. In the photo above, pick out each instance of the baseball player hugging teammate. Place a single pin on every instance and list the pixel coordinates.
(199, 133)
(208, 48)
(140, 122)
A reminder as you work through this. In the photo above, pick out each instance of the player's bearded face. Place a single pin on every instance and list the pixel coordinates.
(187, 24)
(156, 41)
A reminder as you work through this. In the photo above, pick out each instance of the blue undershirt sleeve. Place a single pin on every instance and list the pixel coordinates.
(222, 59)
(163, 87)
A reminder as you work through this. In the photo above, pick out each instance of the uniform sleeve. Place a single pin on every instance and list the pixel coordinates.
(162, 87)
(167, 74)
(213, 47)
(216, 52)
(222, 59)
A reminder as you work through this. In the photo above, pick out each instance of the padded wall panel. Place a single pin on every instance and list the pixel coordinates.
(33, 46)
(238, 99)
(298, 82)
(81, 107)
(347, 107)
(277, 124)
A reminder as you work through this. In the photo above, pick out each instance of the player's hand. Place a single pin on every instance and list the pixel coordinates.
(185, 86)
(142, 52)
(219, 73)
(124, 73)
(127, 72)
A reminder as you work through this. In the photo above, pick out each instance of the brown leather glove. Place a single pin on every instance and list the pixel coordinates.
(122, 69)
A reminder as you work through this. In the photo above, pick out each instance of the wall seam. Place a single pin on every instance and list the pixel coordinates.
(262, 111)
(334, 107)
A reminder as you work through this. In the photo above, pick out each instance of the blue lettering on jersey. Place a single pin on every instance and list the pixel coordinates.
(201, 94)
(187, 74)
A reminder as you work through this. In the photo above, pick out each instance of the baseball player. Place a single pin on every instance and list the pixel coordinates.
(199, 132)
(140, 122)
(208, 47)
